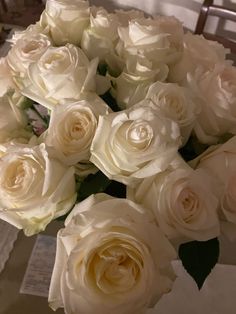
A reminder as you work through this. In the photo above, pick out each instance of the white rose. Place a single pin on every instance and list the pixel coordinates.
(216, 94)
(134, 144)
(197, 52)
(72, 128)
(35, 188)
(60, 74)
(66, 20)
(6, 78)
(177, 103)
(177, 197)
(27, 49)
(131, 85)
(220, 163)
(111, 258)
(100, 37)
(150, 38)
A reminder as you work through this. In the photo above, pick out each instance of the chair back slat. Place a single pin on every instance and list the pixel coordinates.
(209, 9)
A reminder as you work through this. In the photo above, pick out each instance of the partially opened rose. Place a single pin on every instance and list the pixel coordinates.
(157, 39)
(65, 20)
(35, 188)
(134, 144)
(72, 128)
(60, 74)
(100, 38)
(182, 200)
(111, 258)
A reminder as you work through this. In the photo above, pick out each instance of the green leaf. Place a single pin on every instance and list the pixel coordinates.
(94, 183)
(199, 258)
(116, 189)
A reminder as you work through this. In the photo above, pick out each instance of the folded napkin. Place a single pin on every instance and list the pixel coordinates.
(217, 295)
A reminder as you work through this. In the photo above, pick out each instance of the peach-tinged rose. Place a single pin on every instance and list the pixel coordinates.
(197, 52)
(215, 92)
(72, 128)
(177, 198)
(111, 258)
(220, 163)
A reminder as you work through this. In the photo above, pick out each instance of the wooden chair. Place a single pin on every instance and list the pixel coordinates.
(209, 9)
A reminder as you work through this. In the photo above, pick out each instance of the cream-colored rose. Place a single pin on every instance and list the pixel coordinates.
(216, 94)
(72, 128)
(132, 84)
(134, 144)
(59, 75)
(111, 258)
(26, 50)
(220, 163)
(6, 78)
(197, 52)
(177, 103)
(65, 20)
(35, 188)
(182, 200)
(100, 38)
(153, 38)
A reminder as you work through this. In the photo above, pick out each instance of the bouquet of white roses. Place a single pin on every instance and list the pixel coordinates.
(127, 125)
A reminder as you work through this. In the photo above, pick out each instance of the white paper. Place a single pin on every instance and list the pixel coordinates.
(8, 235)
(39, 270)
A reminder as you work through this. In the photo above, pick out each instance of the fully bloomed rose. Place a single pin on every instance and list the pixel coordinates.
(183, 201)
(111, 258)
(220, 163)
(72, 128)
(60, 74)
(35, 188)
(216, 96)
(134, 144)
(65, 20)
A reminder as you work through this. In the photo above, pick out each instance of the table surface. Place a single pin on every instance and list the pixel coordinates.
(11, 301)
